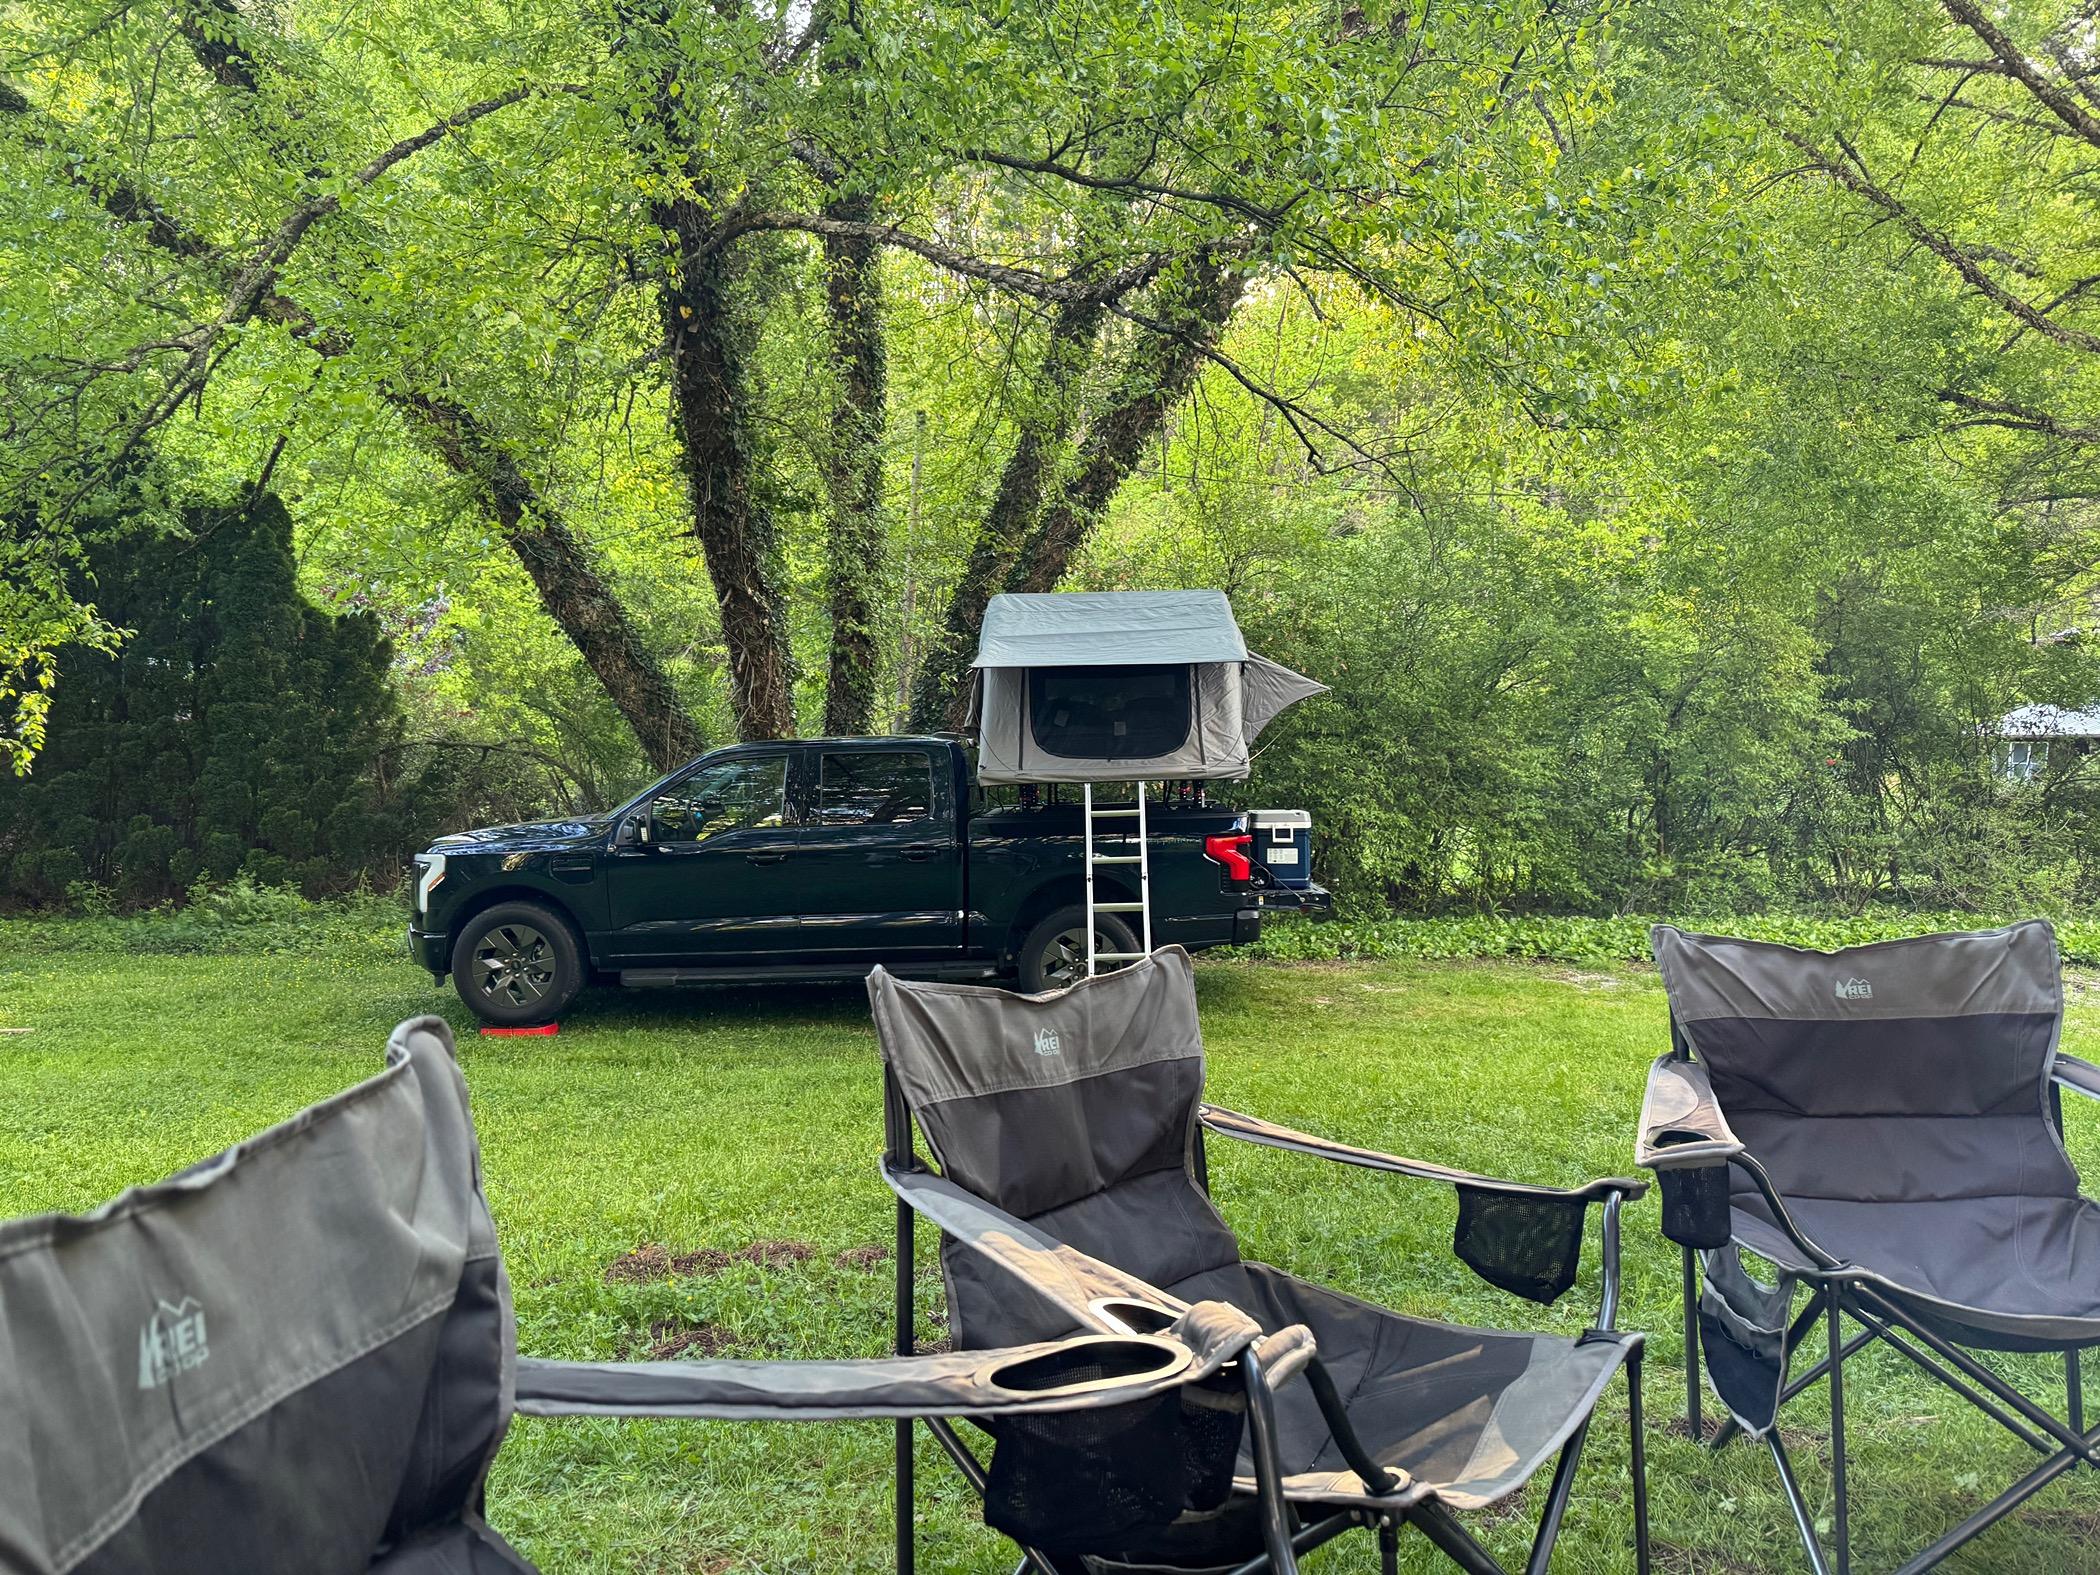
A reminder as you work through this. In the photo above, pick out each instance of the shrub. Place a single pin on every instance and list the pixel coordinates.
(1619, 940)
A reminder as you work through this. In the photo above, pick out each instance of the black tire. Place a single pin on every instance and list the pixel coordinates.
(517, 964)
(1053, 954)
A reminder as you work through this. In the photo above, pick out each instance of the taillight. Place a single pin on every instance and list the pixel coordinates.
(1230, 850)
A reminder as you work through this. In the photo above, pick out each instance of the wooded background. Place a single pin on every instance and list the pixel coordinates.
(1669, 427)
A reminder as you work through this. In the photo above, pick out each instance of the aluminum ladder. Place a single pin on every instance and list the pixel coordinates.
(1094, 860)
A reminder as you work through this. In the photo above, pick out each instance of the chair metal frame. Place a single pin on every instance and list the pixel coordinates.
(1839, 1291)
(1282, 1544)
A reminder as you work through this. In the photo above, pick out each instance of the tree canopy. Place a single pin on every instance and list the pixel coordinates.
(1667, 427)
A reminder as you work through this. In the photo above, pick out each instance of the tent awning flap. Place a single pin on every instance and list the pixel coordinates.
(1266, 688)
(1109, 629)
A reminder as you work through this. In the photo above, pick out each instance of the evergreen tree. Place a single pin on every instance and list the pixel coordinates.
(238, 731)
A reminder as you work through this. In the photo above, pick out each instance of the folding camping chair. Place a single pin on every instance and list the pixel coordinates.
(1070, 1124)
(299, 1357)
(1881, 1125)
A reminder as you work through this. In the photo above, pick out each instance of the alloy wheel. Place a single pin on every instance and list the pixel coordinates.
(514, 964)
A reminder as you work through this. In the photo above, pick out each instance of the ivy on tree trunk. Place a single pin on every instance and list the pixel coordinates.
(708, 334)
(853, 472)
(940, 690)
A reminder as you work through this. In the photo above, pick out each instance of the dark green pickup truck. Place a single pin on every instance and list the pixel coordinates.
(816, 859)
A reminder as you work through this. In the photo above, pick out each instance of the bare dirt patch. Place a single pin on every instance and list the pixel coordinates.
(1670, 1559)
(668, 1340)
(775, 1254)
(867, 1257)
(653, 1261)
(2082, 1526)
(1709, 1427)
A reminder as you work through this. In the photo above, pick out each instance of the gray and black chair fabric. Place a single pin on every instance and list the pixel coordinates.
(1880, 1125)
(298, 1358)
(1068, 1130)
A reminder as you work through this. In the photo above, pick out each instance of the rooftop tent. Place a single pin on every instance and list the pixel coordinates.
(1121, 686)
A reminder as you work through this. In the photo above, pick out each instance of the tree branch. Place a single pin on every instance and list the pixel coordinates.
(1131, 184)
(1961, 260)
(1021, 281)
(570, 589)
(2019, 418)
(2019, 66)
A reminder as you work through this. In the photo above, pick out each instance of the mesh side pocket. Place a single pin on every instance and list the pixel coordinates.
(1212, 1415)
(1093, 1481)
(1530, 1247)
(1695, 1206)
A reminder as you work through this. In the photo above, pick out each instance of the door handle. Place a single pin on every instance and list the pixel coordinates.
(920, 852)
(765, 858)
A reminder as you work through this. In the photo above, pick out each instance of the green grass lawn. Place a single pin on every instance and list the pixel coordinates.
(743, 1126)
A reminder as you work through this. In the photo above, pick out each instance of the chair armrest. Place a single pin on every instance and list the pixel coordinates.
(1520, 1238)
(1093, 1294)
(1006, 1382)
(1682, 1127)
(1098, 1295)
(1686, 1141)
(1252, 1129)
(2080, 1077)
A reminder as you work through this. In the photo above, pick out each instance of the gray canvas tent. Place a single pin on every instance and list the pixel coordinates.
(299, 1356)
(1881, 1125)
(1121, 686)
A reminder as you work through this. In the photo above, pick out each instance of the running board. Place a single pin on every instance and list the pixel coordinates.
(801, 973)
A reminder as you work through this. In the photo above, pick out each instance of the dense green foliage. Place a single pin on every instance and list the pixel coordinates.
(1667, 429)
(239, 731)
(1619, 941)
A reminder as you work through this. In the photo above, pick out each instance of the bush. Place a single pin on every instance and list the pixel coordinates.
(239, 731)
(1616, 941)
(239, 916)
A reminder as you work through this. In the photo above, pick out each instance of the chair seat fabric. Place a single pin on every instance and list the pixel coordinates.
(464, 1548)
(2009, 1271)
(1468, 1414)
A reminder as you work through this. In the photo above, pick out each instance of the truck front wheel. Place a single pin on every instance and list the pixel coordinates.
(517, 964)
(1053, 954)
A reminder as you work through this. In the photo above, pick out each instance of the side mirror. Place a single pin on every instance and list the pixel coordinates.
(633, 830)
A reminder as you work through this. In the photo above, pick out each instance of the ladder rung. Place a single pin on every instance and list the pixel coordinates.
(1119, 957)
(1119, 907)
(1099, 811)
(1117, 858)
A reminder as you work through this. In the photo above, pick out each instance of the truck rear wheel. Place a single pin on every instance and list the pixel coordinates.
(517, 964)
(1053, 954)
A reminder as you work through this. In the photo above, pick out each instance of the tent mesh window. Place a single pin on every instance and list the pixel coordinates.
(1085, 1481)
(1530, 1247)
(1109, 713)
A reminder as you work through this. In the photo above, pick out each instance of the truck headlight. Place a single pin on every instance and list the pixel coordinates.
(433, 867)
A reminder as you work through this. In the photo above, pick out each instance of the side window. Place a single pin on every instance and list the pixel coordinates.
(875, 788)
(738, 795)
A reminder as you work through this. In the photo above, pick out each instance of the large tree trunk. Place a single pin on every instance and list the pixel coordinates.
(707, 334)
(1159, 375)
(853, 471)
(940, 693)
(575, 596)
(569, 587)
(1027, 542)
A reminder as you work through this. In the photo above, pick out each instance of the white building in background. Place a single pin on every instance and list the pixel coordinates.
(2026, 735)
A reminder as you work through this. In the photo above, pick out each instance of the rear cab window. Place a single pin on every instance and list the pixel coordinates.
(874, 787)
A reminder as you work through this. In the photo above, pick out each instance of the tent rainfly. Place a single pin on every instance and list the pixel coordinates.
(1121, 686)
